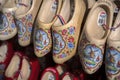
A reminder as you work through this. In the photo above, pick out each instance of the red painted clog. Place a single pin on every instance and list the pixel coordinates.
(50, 74)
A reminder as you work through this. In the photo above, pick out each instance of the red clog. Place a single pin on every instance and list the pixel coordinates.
(50, 74)
(22, 68)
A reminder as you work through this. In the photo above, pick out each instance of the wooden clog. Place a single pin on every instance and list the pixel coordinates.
(94, 35)
(66, 31)
(42, 33)
(25, 19)
(112, 58)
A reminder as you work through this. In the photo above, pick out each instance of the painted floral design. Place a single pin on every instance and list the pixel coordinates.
(58, 43)
(13, 25)
(22, 29)
(71, 39)
(92, 56)
(64, 32)
(112, 61)
(41, 39)
(71, 30)
(4, 23)
(63, 42)
(7, 20)
(70, 45)
(25, 26)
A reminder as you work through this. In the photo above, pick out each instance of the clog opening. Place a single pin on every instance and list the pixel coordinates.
(48, 11)
(66, 13)
(13, 66)
(23, 6)
(25, 70)
(95, 26)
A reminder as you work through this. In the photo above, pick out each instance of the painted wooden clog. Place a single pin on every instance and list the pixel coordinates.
(66, 31)
(112, 58)
(42, 33)
(25, 19)
(8, 28)
(94, 35)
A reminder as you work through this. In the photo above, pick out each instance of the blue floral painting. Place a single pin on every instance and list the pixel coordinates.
(13, 25)
(29, 17)
(70, 45)
(30, 29)
(71, 30)
(63, 55)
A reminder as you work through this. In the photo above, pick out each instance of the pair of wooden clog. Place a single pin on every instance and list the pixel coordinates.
(57, 28)
(21, 67)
